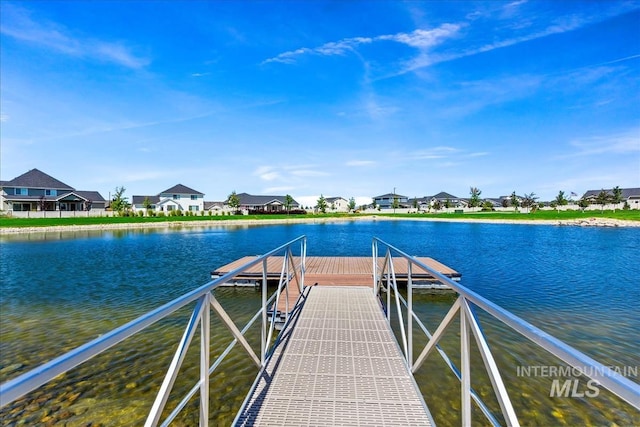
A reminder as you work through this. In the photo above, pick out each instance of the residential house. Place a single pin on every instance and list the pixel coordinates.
(386, 201)
(337, 204)
(37, 191)
(269, 204)
(505, 201)
(441, 199)
(214, 208)
(179, 198)
(448, 200)
(630, 196)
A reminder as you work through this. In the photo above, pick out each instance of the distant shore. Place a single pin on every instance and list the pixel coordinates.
(582, 222)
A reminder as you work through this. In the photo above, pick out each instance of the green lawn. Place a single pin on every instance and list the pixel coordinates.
(631, 215)
(50, 222)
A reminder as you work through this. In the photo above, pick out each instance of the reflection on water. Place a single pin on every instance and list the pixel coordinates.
(59, 291)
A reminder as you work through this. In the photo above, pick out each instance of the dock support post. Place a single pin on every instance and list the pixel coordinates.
(409, 315)
(205, 339)
(263, 341)
(465, 366)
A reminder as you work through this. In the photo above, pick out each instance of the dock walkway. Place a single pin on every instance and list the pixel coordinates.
(338, 364)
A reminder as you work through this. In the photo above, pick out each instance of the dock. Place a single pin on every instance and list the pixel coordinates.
(338, 363)
(335, 271)
(332, 271)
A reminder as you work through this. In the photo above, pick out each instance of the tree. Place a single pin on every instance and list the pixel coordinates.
(352, 204)
(321, 205)
(394, 204)
(474, 201)
(288, 202)
(119, 203)
(583, 203)
(561, 200)
(602, 199)
(437, 206)
(374, 205)
(514, 201)
(616, 197)
(146, 204)
(233, 201)
(529, 201)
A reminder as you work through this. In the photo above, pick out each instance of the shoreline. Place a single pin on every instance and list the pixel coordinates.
(583, 222)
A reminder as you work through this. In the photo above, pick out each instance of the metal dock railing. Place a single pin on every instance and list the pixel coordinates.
(356, 386)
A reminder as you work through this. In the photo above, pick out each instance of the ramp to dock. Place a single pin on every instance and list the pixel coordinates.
(338, 364)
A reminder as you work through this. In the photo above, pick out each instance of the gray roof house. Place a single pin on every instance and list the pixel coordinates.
(628, 195)
(179, 198)
(249, 202)
(385, 201)
(442, 198)
(454, 201)
(36, 191)
(214, 207)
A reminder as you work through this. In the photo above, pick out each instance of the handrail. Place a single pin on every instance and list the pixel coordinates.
(21, 385)
(608, 378)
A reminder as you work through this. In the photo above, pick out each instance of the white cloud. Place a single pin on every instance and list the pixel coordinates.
(424, 39)
(50, 35)
(433, 153)
(360, 163)
(266, 173)
(308, 173)
(620, 143)
(421, 39)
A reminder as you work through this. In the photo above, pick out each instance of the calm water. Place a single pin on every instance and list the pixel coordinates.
(60, 290)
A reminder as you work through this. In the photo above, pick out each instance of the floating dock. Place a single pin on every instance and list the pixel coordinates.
(332, 271)
(338, 363)
(336, 271)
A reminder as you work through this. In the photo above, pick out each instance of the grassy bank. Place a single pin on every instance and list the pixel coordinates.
(629, 215)
(8, 222)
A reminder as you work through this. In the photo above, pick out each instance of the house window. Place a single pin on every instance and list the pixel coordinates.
(170, 208)
(50, 193)
(21, 192)
(193, 208)
(176, 197)
(194, 197)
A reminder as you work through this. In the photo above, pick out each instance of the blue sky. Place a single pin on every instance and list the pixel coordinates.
(338, 98)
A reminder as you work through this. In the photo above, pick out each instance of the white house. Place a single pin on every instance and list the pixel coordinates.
(337, 204)
(179, 198)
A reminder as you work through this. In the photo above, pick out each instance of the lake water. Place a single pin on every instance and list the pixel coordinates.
(62, 289)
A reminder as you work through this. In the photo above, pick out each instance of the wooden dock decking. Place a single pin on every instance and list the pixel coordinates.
(334, 271)
(329, 271)
(338, 364)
